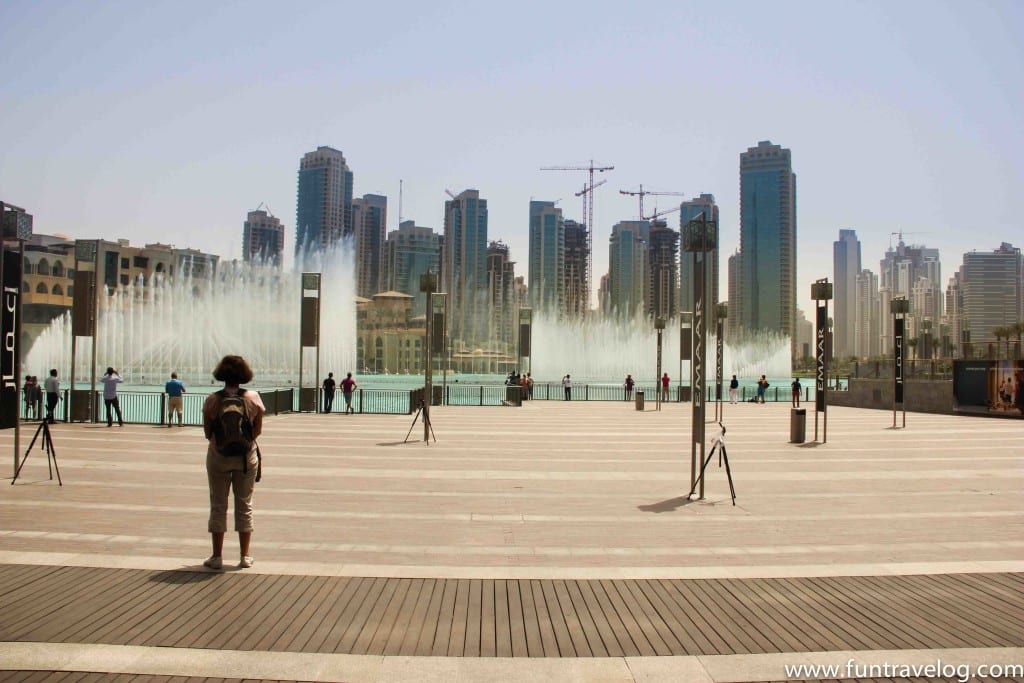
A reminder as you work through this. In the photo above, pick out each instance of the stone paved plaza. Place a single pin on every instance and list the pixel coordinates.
(552, 540)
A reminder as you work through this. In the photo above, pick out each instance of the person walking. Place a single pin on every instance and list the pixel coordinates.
(110, 382)
(348, 386)
(329, 386)
(797, 390)
(762, 386)
(734, 390)
(664, 386)
(529, 385)
(229, 473)
(524, 384)
(629, 387)
(174, 389)
(567, 387)
(52, 386)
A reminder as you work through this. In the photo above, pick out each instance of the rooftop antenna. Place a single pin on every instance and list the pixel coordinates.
(400, 202)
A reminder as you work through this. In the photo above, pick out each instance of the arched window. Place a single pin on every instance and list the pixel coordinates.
(57, 290)
(58, 269)
(41, 288)
(44, 267)
(71, 290)
(29, 268)
(25, 289)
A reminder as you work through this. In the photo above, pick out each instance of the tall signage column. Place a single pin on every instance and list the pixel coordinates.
(685, 348)
(721, 312)
(699, 237)
(428, 285)
(525, 337)
(659, 326)
(821, 291)
(900, 308)
(83, 324)
(16, 226)
(309, 336)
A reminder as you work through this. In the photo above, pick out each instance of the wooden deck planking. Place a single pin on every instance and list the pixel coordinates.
(511, 618)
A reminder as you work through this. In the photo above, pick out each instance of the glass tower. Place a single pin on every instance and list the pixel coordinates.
(768, 238)
(323, 213)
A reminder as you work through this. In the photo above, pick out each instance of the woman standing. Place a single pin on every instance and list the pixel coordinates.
(227, 473)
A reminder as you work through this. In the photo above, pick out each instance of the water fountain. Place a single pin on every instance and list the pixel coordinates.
(606, 349)
(185, 325)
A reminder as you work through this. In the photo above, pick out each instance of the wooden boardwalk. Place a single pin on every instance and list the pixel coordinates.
(508, 618)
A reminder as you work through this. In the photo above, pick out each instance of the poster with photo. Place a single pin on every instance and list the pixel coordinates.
(994, 387)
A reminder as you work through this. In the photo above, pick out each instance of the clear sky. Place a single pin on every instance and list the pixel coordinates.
(161, 121)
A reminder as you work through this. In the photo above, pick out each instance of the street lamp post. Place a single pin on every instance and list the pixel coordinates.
(721, 313)
(700, 236)
(428, 285)
(659, 326)
(899, 308)
(821, 291)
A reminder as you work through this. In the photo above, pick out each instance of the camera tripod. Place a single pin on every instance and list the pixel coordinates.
(51, 452)
(718, 444)
(422, 409)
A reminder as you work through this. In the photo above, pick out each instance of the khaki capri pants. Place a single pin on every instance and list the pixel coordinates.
(225, 475)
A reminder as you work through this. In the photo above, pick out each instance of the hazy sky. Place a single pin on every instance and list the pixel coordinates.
(161, 121)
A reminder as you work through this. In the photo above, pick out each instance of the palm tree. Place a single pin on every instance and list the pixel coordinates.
(1003, 332)
(912, 343)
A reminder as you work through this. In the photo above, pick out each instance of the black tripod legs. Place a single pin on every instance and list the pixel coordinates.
(47, 445)
(728, 472)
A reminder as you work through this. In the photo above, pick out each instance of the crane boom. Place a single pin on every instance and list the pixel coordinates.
(641, 193)
(588, 211)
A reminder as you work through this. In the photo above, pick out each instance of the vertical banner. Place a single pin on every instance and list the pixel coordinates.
(897, 345)
(719, 351)
(11, 343)
(821, 353)
(699, 391)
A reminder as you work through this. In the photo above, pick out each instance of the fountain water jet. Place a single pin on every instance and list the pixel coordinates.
(606, 349)
(186, 325)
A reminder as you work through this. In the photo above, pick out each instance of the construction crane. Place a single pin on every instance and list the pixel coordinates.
(900, 234)
(641, 193)
(659, 214)
(449, 193)
(588, 211)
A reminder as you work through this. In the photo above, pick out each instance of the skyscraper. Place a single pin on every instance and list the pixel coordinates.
(547, 258)
(410, 252)
(768, 238)
(577, 284)
(323, 212)
(734, 325)
(465, 268)
(845, 268)
(369, 221)
(262, 238)
(992, 291)
(501, 296)
(627, 267)
(662, 271)
(866, 315)
(913, 273)
(689, 210)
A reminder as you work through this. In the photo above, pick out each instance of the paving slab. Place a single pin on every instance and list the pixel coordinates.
(553, 492)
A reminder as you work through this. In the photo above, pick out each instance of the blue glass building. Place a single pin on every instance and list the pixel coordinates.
(768, 239)
(323, 213)
(547, 257)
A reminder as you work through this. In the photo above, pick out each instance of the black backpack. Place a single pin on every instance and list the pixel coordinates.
(232, 428)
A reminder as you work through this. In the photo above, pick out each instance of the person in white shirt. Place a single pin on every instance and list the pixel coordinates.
(110, 382)
(567, 385)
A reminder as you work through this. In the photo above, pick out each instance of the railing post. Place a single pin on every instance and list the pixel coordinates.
(360, 401)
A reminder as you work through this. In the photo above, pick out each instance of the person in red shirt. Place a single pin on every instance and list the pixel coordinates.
(664, 386)
(348, 385)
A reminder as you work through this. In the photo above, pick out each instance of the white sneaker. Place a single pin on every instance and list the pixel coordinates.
(213, 562)
(245, 562)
